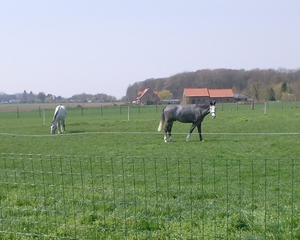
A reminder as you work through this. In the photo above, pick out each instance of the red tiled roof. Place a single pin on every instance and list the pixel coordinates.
(195, 92)
(142, 93)
(225, 93)
(205, 92)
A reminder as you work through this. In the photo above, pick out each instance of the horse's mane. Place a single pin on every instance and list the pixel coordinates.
(202, 105)
(55, 115)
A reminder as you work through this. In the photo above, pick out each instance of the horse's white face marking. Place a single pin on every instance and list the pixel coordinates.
(213, 110)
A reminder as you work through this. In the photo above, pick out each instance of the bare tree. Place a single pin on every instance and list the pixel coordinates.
(41, 96)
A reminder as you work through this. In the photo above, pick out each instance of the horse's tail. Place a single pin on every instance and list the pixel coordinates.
(162, 120)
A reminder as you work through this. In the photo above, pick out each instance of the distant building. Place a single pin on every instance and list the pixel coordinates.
(202, 95)
(240, 97)
(195, 95)
(147, 97)
(170, 101)
(221, 95)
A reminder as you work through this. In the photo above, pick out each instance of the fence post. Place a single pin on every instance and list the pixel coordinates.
(81, 111)
(265, 110)
(120, 110)
(44, 117)
(18, 112)
(128, 113)
(101, 110)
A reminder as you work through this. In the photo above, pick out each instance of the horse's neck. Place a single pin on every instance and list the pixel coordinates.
(205, 112)
(55, 118)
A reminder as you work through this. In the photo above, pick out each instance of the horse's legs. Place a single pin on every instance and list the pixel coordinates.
(165, 133)
(190, 132)
(58, 127)
(168, 129)
(63, 127)
(199, 131)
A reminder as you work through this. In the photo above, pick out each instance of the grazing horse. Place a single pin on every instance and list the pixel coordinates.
(186, 114)
(59, 119)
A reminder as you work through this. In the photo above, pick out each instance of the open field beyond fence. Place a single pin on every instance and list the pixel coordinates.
(111, 176)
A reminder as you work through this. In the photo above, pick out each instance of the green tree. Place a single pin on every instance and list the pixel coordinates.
(165, 94)
(271, 96)
(283, 87)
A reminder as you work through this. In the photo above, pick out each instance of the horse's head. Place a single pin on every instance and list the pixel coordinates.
(53, 127)
(213, 109)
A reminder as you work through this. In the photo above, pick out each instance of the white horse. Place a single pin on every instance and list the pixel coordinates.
(59, 119)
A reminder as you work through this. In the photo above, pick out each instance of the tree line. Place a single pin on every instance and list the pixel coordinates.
(258, 84)
(41, 97)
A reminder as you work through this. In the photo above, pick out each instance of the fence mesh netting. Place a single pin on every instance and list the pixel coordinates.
(71, 197)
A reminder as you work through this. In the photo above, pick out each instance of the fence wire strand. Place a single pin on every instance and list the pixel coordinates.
(73, 197)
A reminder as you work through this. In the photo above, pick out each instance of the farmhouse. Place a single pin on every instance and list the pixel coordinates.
(201, 95)
(221, 95)
(147, 97)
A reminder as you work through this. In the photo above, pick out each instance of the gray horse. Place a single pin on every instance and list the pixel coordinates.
(186, 114)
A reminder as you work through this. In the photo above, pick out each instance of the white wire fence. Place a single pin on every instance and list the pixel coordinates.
(72, 197)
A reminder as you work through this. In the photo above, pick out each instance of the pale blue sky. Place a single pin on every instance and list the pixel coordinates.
(71, 47)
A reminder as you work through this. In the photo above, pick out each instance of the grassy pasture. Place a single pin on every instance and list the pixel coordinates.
(234, 133)
(113, 178)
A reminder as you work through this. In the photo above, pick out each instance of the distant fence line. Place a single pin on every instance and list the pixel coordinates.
(124, 109)
(79, 108)
(72, 197)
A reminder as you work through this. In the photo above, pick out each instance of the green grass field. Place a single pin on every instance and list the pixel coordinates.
(111, 176)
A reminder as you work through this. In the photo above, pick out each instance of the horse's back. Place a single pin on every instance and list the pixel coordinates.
(171, 109)
(60, 112)
(182, 113)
